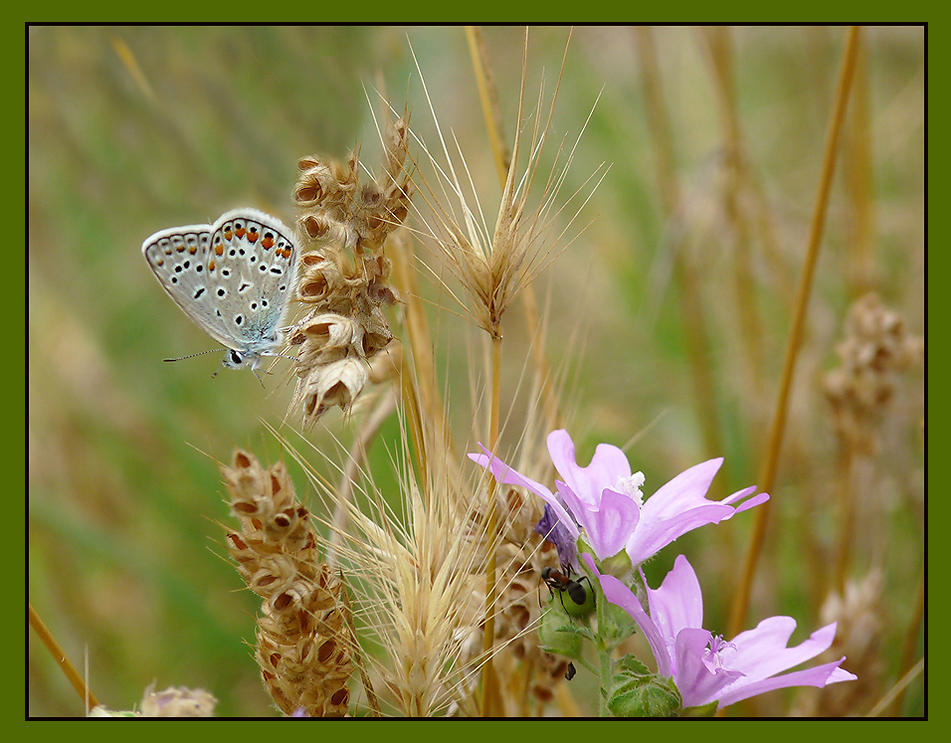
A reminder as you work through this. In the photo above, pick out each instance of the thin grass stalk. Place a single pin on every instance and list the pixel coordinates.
(65, 665)
(692, 312)
(743, 178)
(488, 95)
(899, 688)
(410, 398)
(910, 645)
(845, 476)
(858, 179)
(420, 385)
(355, 461)
(720, 46)
(767, 477)
(489, 98)
(492, 529)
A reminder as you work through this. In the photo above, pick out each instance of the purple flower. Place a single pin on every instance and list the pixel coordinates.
(605, 499)
(704, 667)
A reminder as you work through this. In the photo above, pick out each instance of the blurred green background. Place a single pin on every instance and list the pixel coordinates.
(134, 129)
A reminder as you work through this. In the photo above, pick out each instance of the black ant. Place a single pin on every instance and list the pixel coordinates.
(560, 582)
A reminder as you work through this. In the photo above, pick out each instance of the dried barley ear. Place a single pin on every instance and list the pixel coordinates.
(303, 641)
(343, 273)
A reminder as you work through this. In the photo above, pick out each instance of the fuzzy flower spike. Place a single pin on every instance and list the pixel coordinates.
(605, 499)
(705, 668)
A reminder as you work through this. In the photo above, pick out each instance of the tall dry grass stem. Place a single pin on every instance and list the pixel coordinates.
(767, 476)
(62, 660)
(720, 46)
(859, 180)
(418, 385)
(489, 99)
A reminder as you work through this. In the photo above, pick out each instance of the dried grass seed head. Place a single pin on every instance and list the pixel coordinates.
(303, 642)
(344, 282)
(177, 701)
(877, 348)
(494, 265)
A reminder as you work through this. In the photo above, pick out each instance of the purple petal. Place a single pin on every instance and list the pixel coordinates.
(608, 465)
(762, 652)
(608, 525)
(619, 594)
(650, 538)
(678, 603)
(828, 673)
(680, 506)
(739, 495)
(686, 490)
(696, 682)
(507, 476)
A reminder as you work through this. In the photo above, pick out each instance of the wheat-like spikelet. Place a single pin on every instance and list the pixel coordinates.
(411, 568)
(344, 275)
(303, 641)
(494, 265)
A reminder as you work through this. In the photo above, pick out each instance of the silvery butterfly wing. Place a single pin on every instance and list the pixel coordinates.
(233, 278)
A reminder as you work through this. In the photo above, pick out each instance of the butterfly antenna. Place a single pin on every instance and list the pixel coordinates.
(191, 356)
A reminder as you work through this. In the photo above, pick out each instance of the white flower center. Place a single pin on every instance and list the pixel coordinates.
(631, 486)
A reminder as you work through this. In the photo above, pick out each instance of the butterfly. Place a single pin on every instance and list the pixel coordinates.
(234, 279)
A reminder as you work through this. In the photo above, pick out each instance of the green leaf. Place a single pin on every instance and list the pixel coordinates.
(631, 666)
(558, 635)
(644, 696)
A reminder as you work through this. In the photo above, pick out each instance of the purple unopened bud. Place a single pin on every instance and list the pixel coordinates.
(558, 534)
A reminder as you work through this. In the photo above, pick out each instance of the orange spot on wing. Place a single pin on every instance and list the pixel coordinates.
(268, 242)
(253, 236)
(240, 232)
(211, 266)
(228, 234)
